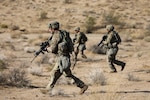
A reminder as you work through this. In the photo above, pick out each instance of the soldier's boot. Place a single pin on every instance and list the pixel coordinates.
(85, 87)
(113, 71)
(84, 56)
(123, 66)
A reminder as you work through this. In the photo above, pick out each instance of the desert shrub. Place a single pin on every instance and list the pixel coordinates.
(89, 24)
(3, 65)
(3, 78)
(57, 92)
(36, 71)
(98, 49)
(43, 15)
(4, 26)
(131, 77)
(111, 18)
(97, 77)
(14, 27)
(64, 81)
(67, 1)
(147, 39)
(14, 77)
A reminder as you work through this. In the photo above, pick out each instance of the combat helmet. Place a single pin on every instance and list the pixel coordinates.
(77, 29)
(110, 27)
(54, 25)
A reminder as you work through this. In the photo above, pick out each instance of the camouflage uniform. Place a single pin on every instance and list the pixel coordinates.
(79, 44)
(62, 65)
(111, 43)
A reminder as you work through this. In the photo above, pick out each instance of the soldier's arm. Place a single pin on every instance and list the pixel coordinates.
(78, 39)
(54, 43)
(109, 37)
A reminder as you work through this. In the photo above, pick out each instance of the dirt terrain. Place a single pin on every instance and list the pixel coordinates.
(23, 26)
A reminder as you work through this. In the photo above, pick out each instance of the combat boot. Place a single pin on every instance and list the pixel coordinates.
(123, 66)
(85, 87)
(84, 56)
(113, 71)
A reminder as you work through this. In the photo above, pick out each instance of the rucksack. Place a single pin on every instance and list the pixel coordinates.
(117, 37)
(66, 44)
(84, 37)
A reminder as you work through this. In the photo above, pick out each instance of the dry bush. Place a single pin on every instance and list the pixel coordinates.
(111, 18)
(97, 77)
(57, 92)
(15, 35)
(137, 35)
(67, 1)
(126, 37)
(98, 49)
(147, 39)
(64, 81)
(14, 27)
(43, 15)
(3, 26)
(3, 65)
(89, 24)
(131, 77)
(36, 71)
(14, 77)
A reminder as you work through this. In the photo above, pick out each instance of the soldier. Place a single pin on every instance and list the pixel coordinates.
(79, 43)
(63, 63)
(111, 41)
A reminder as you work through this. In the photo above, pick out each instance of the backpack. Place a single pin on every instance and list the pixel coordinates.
(66, 44)
(117, 37)
(84, 37)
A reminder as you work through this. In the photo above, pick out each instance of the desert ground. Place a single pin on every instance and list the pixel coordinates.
(24, 25)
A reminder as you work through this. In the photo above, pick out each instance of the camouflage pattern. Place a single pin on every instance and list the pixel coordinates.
(110, 27)
(62, 65)
(112, 49)
(80, 45)
(77, 29)
(54, 25)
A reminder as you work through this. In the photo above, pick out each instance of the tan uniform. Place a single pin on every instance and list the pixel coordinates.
(80, 45)
(62, 65)
(112, 49)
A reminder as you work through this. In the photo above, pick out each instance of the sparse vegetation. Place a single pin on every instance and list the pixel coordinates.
(43, 15)
(3, 65)
(98, 49)
(4, 26)
(112, 18)
(89, 24)
(97, 77)
(14, 27)
(147, 39)
(14, 77)
(131, 77)
(67, 1)
(36, 71)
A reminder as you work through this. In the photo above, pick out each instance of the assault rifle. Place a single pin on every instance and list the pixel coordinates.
(43, 48)
(103, 39)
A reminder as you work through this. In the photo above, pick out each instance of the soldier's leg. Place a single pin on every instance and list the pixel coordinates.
(110, 60)
(76, 51)
(55, 75)
(120, 63)
(82, 47)
(83, 55)
(79, 83)
(117, 62)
